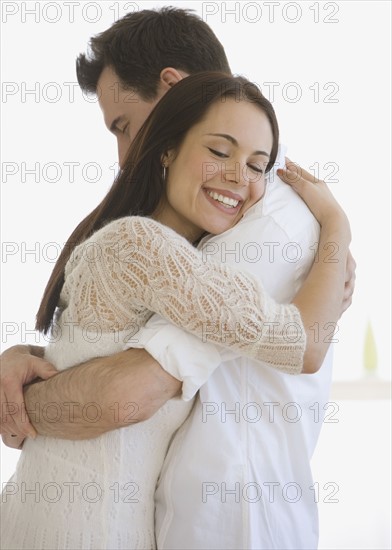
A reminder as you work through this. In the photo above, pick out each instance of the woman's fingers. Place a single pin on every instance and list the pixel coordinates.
(315, 193)
(294, 167)
(349, 285)
(293, 176)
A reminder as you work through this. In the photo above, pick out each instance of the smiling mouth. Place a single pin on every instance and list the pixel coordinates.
(226, 201)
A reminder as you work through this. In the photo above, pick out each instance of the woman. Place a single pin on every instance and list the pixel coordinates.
(196, 166)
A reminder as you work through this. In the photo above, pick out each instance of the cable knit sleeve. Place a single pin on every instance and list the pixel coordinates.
(140, 265)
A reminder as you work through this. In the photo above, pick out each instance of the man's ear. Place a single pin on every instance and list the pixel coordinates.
(170, 76)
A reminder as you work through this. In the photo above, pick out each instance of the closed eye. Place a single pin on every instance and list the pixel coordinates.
(124, 130)
(218, 153)
(253, 167)
(256, 168)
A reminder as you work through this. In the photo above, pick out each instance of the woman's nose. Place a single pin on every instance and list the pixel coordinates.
(236, 172)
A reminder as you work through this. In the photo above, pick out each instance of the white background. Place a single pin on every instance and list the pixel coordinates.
(340, 49)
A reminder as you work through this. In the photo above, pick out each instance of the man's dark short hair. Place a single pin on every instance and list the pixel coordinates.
(141, 44)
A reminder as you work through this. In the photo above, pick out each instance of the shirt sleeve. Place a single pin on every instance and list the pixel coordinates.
(180, 353)
(159, 270)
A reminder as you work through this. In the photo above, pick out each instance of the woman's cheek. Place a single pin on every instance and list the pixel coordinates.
(258, 189)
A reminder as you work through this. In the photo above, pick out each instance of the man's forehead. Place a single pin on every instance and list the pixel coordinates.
(108, 81)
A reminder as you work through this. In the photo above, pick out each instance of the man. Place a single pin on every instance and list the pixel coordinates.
(247, 490)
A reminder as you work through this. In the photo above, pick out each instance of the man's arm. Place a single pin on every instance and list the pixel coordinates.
(100, 395)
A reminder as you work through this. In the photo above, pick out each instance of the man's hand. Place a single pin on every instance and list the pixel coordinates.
(13, 442)
(20, 365)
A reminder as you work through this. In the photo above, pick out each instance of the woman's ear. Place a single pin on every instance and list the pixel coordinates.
(167, 158)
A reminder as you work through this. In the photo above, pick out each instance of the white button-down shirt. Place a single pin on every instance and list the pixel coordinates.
(237, 474)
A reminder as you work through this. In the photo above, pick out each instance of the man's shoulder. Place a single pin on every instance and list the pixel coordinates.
(282, 207)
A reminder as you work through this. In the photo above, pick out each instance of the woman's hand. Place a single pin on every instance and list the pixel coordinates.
(315, 193)
(326, 210)
(349, 283)
(327, 290)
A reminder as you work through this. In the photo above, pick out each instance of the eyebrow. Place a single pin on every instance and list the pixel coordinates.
(235, 142)
(113, 125)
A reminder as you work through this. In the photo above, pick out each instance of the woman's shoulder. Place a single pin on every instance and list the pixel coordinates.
(134, 228)
(129, 232)
(121, 237)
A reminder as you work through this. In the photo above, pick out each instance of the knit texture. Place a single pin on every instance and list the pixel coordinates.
(135, 266)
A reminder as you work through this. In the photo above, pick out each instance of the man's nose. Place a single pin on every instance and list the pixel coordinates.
(122, 151)
(121, 156)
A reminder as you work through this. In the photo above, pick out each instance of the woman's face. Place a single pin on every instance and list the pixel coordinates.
(218, 171)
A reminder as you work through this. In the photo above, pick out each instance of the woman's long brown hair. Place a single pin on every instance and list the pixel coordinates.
(139, 187)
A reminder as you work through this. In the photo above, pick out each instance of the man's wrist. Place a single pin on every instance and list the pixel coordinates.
(37, 351)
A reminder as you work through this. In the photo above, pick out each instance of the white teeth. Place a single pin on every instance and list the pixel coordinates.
(224, 200)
